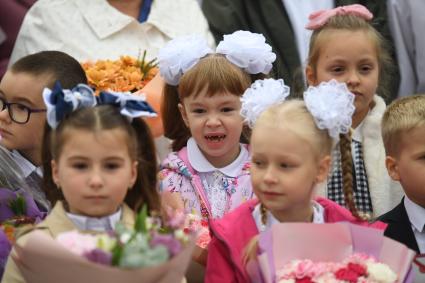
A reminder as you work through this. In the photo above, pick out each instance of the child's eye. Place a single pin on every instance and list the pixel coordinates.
(365, 69)
(258, 163)
(112, 166)
(337, 69)
(285, 165)
(227, 109)
(79, 165)
(198, 110)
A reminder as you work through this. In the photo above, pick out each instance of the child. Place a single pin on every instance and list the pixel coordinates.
(207, 174)
(21, 126)
(344, 46)
(403, 131)
(103, 166)
(290, 156)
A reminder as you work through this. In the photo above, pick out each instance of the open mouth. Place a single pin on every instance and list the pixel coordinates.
(215, 138)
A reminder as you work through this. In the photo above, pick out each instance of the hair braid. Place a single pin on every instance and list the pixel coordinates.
(347, 173)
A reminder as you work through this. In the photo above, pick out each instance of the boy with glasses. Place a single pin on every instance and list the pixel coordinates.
(22, 110)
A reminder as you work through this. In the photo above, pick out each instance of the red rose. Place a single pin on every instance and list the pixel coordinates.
(304, 280)
(358, 268)
(347, 275)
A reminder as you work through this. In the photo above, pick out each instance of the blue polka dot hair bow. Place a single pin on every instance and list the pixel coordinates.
(61, 102)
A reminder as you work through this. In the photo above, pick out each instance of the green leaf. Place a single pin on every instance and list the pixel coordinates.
(140, 225)
(18, 205)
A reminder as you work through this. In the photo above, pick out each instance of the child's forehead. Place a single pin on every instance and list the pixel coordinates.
(23, 87)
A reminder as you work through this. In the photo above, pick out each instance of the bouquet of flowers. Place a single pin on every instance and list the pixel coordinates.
(150, 252)
(129, 74)
(338, 252)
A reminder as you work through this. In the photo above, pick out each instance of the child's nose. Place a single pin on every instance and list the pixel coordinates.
(353, 79)
(4, 115)
(270, 176)
(96, 180)
(213, 121)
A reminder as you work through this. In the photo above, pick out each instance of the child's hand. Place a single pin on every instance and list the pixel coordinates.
(172, 200)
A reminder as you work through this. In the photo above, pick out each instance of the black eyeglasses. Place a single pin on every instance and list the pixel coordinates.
(19, 113)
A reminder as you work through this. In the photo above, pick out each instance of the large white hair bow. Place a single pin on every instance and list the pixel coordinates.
(179, 55)
(248, 51)
(331, 104)
(261, 95)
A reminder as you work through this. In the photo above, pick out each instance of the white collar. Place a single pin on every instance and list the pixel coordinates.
(201, 164)
(103, 18)
(358, 131)
(26, 166)
(101, 224)
(318, 216)
(416, 214)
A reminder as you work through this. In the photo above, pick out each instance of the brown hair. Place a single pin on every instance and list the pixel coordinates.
(140, 145)
(215, 74)
(57, 65)
(400, 117)
(319, 36)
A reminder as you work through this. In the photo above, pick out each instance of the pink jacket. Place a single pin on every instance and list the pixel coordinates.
(231, 234)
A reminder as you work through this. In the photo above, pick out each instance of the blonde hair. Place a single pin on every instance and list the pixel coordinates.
(400, 117)
(294, 114)
(213, 73)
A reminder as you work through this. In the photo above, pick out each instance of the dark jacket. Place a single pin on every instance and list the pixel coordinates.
(399, 227)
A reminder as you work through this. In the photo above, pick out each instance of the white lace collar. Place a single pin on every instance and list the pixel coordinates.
(201, 164)
(101, 224)
(318, 216)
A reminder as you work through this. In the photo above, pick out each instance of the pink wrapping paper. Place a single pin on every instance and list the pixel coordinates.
(328, 242)
(43, 260)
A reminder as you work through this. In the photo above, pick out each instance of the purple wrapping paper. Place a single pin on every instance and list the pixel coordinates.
(7, 195)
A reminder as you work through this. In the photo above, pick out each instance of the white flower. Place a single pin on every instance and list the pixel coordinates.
(261, 95)
(179, 55)
(381, 273)
(331, 104)
(248, 51)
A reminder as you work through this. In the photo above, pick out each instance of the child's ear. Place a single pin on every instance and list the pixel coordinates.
(55, 172)
(310, 76)
(324, 165)
(133, 176)
(184, 114)
(392, 168)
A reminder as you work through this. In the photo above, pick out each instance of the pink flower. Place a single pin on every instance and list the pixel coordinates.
(79, 244)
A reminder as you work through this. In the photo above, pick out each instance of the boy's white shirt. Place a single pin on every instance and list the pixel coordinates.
(416, 216)
(384, 192)
(25, 165)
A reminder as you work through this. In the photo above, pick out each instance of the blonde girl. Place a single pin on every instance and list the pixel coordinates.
(344, 46)
(291, 147)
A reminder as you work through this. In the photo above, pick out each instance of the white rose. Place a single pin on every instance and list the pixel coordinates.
(381, 273)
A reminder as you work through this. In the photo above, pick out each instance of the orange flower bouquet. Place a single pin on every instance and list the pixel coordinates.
(129, 74)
